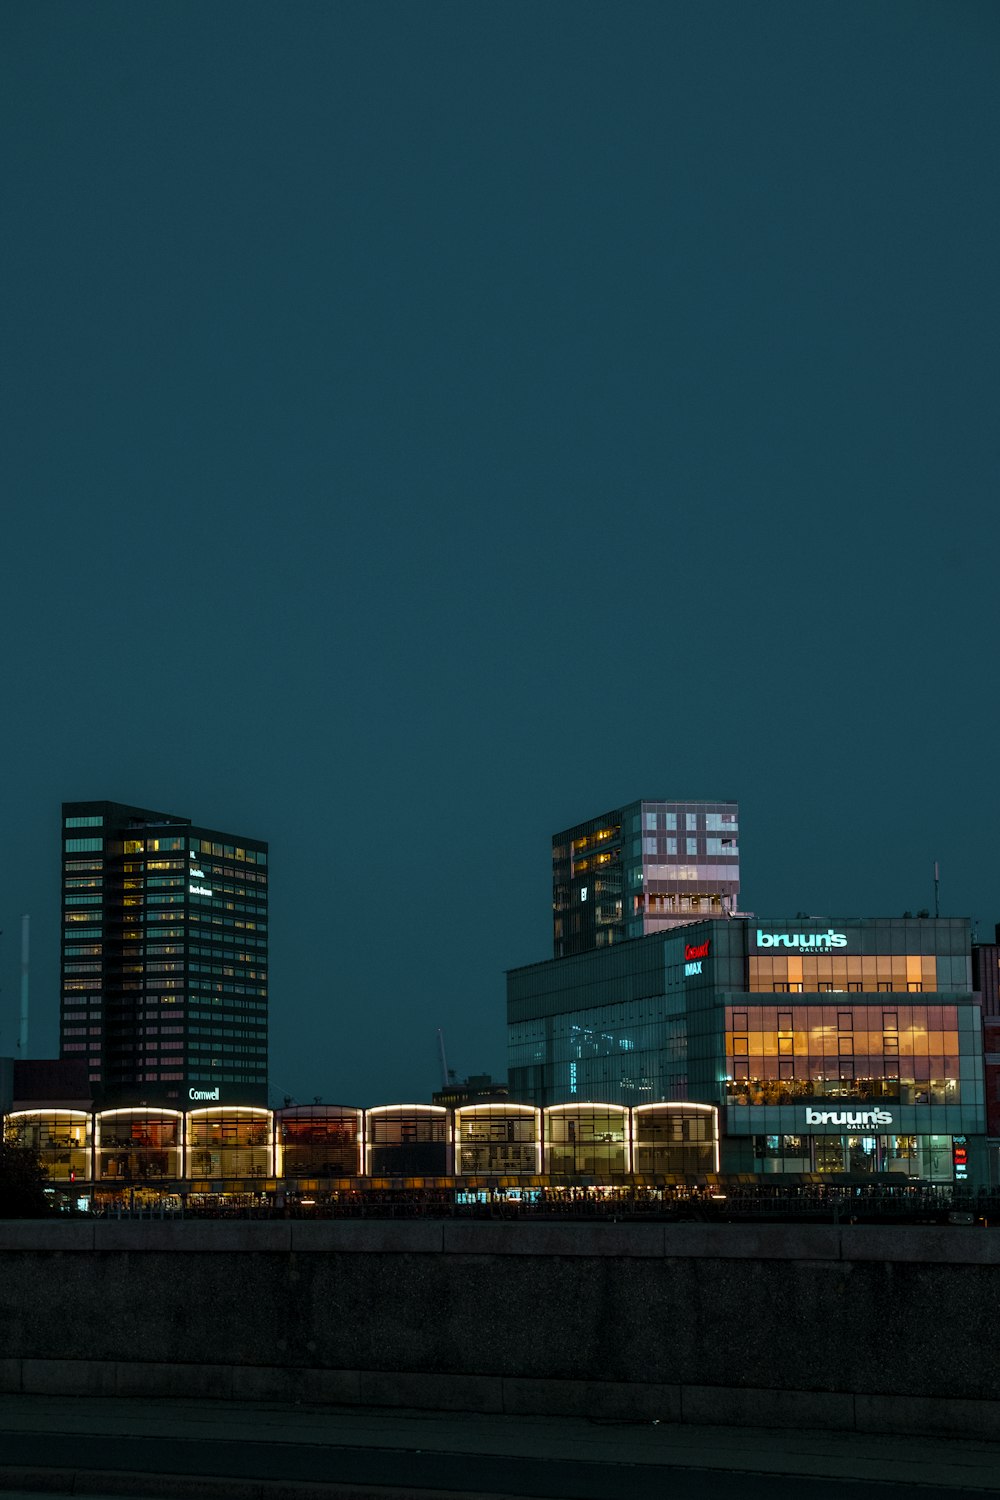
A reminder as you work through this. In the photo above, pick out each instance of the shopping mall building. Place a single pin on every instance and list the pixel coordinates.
(830, 1046)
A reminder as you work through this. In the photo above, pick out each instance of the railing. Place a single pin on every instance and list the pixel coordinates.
(720, 1203)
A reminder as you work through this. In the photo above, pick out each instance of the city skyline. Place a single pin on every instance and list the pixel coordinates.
(426, 428)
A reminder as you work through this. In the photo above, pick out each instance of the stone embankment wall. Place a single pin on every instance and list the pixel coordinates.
(876, 1329)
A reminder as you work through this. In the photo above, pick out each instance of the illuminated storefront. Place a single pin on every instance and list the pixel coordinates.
(229, 1142)
(319, 1141)
(497, 1140)
(146, 1158)
(63, 1139)
(864, 1058)
(832, 1047)
(408, 1140)
(138, 1146)
(675, 1140)
(588, 1141)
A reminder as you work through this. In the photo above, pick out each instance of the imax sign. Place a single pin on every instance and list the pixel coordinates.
(821, 940)
(694, 956)
(850, 1117)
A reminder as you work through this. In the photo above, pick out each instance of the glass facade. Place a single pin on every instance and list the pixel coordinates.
(591, 1142)
(147, 1158)
(138, 1145)
(675, 1140)
(643, 868)
(408, 1140)
(164, 956)
(908, 1054)
(319, 1141)
(497, 1140)
(63, 1139)
(229, 1143)
(867, 1024)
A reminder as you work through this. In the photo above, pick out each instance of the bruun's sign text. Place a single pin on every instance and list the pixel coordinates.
(821, 940)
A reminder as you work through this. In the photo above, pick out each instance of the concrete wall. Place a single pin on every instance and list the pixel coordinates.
(878, 1329)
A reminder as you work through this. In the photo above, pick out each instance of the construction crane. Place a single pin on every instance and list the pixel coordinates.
(446, 1074)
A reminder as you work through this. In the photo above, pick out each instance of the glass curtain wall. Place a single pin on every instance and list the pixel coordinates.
(319, 1141)
(138, 1145)
(587, 1140)
(497, 1140)
(229, 1142)
(892, 1051)
(62, 1138)
(675, 1139)
(408, 1140)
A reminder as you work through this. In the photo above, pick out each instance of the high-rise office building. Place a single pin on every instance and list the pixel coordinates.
(164, 957)
(643, 868)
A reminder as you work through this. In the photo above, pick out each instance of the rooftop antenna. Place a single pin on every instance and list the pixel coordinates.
(937, 889)
(444, 1059)
(22, 1036)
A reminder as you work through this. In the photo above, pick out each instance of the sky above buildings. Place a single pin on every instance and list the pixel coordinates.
(427, 426)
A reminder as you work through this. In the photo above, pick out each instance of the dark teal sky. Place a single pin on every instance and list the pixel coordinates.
(428, 425)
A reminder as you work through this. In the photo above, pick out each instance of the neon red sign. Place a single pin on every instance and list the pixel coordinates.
(699, 950)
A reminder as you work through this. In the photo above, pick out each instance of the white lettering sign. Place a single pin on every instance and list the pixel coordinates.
(203, 1093)
(200, 890)
(855, 1117)
(828, 939)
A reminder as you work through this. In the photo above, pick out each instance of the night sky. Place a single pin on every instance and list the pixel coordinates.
(428, 425)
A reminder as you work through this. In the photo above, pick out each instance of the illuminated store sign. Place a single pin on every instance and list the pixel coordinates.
(855, 1117)
(203, 1094)
(828, 939)
(200, 890)
(693, 955)
(960, 1157)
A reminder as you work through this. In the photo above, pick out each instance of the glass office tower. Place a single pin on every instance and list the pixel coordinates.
(842, 1046)
(164, 957)
(643, 868)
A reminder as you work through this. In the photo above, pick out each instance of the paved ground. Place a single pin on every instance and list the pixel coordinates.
(102, 1446)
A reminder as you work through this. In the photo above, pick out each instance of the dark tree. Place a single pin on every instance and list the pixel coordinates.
(22, 1182)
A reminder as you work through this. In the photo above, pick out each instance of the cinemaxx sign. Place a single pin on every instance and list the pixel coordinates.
(694, 956)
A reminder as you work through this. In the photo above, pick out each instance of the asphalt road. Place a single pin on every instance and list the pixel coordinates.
(261, 1451)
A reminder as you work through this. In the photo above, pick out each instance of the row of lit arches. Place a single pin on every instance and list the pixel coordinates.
(579, 1141)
